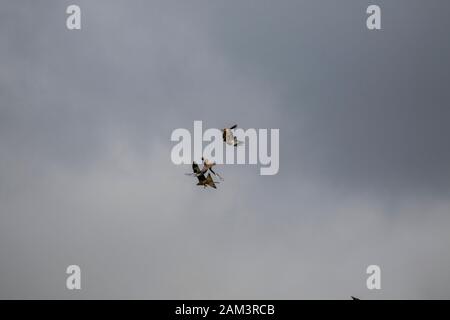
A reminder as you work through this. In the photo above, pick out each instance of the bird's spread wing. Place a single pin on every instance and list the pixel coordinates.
(201, 177)
(237, 142)
(210, 181)
(195, 168)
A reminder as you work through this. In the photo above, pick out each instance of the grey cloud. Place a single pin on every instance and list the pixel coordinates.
(85, 171)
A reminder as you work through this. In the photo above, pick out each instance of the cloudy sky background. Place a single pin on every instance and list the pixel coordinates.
(85, 171)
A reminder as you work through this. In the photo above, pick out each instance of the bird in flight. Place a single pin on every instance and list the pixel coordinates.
(229, 138)
(202, 180)
(207, 165)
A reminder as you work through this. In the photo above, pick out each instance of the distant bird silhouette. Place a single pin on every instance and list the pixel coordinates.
(202, 180)
(207, 165)
(229, 138)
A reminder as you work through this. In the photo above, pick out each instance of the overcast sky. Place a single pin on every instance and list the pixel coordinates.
(85, 170)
